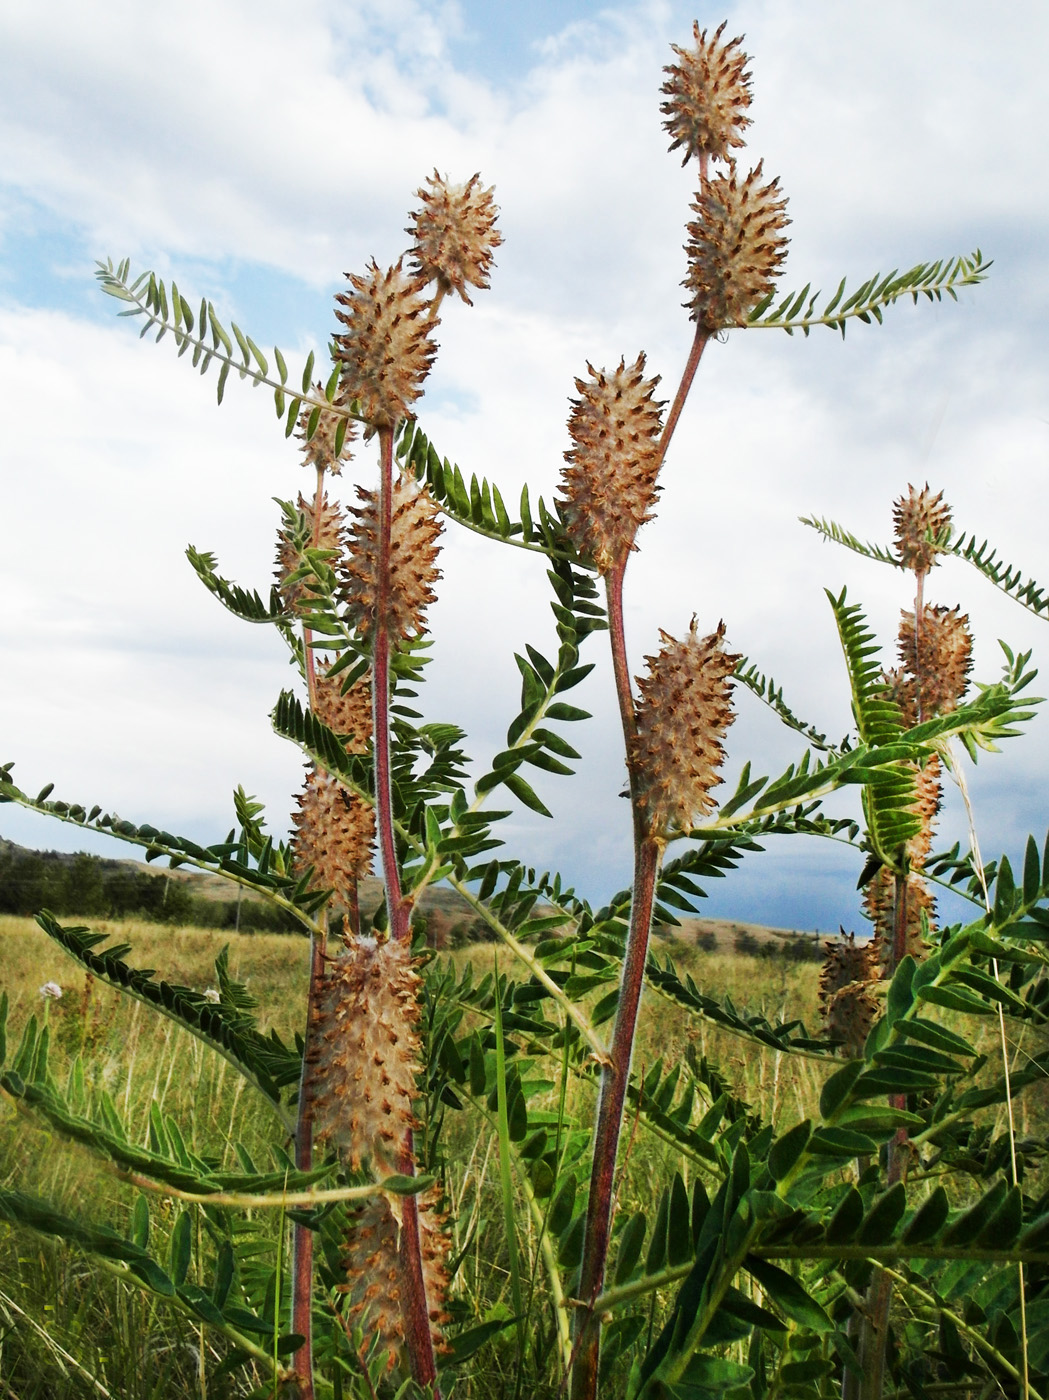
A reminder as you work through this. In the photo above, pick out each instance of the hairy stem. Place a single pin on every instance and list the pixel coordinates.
(302, 1239)
(699, 344)
(416, 1312)
(615, 1074)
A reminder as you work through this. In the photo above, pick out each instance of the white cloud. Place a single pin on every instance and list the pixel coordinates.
(234, 131)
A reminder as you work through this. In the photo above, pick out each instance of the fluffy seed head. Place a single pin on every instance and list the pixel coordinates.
(318, 451)
(682, 718)
(291, 543)
(609, 485)
(935, 661)
(915, 516)
(454, 234)
(334, 833)
(708, 93)
(362, 1053)
(387, 348)
(349, 714)
(414, 531)
(735, 248)
(374, 1272)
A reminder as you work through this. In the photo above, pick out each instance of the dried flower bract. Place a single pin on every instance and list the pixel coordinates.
(291, 543)
(916, 517)
(387, 348)
(735, 248)
(708, 93)
(682, 718)
(334, 833)
(609, 486)
(936, 659)
(415, 528)
(454, 235)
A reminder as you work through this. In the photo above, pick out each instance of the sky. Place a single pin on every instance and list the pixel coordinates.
(257, 153)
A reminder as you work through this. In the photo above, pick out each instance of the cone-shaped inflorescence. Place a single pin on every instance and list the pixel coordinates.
(387, 349)
(454, 236)
(916, 516)
(334, 835)
(682, 718)
(935, 661)
(318, 449)
(348, 713)
(847, 1004)
(290, 545)
(609, 484)
(736, 247)
(414, 532)
(880, 906)
(708, 93)
(362, 1062)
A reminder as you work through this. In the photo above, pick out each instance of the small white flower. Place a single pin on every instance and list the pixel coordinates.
(51, 990)
(210, 994)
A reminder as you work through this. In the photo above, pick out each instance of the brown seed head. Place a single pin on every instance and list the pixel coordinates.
(454, 235)
(916, 516)
(334, 833)
(374, 1272)
(936, 659)
(849, 1015)
(318, 451)
(682, 718)
(331, 535)
(708, 93)
(879, 900)
(414, 531)
(387, 348)
(363, 1053)
(349, 714)
(735, 248)
(609, 485)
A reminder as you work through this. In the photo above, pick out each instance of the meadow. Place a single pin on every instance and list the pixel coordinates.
(67, 1330)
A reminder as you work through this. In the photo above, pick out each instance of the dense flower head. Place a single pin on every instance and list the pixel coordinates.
(916, 516)
(454, 235)
(334, 834)
(708, 93)
(879, 900)
(387, 349)
(331, 535)
(415, 528)
(363, 1053)
(736, 246)
(318, 450)
(609, 485)
(935, 661)
(348, 713)
(682, 718)
(847, 1004)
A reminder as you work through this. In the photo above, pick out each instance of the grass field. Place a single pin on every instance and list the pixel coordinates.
(67, 1330)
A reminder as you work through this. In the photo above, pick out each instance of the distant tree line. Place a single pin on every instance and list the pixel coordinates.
(87, 886)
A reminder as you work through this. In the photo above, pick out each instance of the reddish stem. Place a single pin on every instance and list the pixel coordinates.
(699, 344)
(418, 1336)
(615, 1076)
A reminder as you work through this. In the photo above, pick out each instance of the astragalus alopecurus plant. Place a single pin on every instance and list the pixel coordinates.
(776, 1257)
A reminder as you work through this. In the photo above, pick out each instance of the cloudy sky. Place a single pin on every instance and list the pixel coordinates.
(258, 152)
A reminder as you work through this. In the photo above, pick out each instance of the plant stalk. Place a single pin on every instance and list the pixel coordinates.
(616, 1074)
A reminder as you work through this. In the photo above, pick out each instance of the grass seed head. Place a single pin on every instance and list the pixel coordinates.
(682, 718)
(708, 93)
(609, 486)
(454, 235)
(387, 348)
(414, 531)
(915, 517)
(736, 247)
